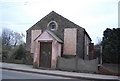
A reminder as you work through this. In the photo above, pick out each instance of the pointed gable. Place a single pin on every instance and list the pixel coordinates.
(53, 16)
(61, 24)
(48, 35)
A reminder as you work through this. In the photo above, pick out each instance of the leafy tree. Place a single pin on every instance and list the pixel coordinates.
(111, 45)
(19, 52)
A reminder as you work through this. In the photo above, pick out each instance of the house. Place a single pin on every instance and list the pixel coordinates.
(55, 36)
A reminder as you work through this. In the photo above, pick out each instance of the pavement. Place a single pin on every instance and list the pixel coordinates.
(30, 69)
(111, 67)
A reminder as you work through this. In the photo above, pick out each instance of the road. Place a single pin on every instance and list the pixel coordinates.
(9, 74)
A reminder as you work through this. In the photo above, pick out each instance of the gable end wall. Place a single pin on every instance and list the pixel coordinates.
(62, 24)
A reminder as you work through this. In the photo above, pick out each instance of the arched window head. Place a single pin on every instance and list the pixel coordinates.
(52, 25)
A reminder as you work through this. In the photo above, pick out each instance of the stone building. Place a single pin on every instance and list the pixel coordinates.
(55, 36)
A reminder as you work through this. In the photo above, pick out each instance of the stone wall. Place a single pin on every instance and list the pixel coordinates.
(80, 65)
(66, 64)
(88, 65)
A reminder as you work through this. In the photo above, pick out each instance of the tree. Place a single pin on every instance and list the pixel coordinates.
(97, 49)
(111, 45)
(6, 38)
(10, 39)
(6, 45)
(17, 38)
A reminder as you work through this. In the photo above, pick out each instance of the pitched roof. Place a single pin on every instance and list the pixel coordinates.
(53, 35)
(87, 35)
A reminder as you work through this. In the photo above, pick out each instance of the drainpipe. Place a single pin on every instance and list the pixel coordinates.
(100, 58)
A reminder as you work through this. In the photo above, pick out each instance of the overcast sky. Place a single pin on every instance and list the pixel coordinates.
(93, 15)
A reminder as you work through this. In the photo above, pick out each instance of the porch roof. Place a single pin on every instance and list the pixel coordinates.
(53, 35)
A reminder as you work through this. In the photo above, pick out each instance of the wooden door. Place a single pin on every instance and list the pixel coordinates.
(45, 54)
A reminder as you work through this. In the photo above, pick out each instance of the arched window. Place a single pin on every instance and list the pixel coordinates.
(52, 25)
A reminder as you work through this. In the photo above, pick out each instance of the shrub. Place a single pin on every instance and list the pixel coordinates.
(19, 53)
(5, 54)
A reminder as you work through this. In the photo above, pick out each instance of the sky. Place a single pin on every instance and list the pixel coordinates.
(93, 15)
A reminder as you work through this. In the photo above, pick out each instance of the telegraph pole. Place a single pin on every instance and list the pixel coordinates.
(101, 55)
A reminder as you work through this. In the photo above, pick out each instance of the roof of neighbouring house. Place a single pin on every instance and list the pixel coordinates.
(53, 35)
